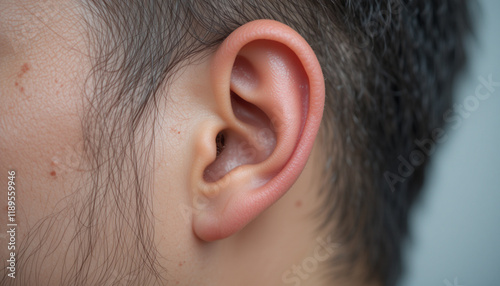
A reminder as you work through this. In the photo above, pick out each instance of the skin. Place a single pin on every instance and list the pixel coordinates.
(42, 76)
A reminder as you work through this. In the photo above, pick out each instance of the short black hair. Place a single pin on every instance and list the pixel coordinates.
(389, 68)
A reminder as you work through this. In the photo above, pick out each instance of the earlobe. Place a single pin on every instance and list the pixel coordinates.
(269, 92)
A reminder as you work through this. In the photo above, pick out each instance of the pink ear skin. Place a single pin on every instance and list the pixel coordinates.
(269, 90)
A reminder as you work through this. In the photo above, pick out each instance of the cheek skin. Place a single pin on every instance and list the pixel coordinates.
(40, 121)
(171, 200)
(41, 135)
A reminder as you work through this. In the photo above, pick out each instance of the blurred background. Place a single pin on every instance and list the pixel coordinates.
(456, 225)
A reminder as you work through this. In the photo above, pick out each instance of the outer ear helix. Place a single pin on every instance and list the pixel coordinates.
(269, 153)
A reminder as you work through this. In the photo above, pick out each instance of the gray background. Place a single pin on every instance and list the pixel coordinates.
(456, 225)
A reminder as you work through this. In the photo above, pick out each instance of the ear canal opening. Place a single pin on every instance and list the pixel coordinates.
(220, 143)
(251, 146)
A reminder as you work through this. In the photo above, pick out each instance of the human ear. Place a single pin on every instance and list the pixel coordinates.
(266, 91)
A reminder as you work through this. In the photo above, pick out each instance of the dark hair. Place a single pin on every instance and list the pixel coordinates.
(388, 66)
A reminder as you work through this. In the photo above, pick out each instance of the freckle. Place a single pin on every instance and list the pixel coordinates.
(298, 203)
(53, 173)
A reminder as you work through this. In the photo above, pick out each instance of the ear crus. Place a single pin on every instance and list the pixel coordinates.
(268, 88)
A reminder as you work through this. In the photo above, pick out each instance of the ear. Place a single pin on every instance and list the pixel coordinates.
(268, 91)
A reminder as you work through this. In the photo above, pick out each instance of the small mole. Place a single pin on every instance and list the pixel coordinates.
(16, 83)
(298, 203)
(178, 132)
(53, 173)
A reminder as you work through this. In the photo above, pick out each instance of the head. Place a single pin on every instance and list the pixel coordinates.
(220, 142)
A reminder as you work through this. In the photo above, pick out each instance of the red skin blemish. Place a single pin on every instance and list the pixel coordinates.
(24, 69)
(174, 130)
(298, 203)
(53, 173)
(21, 89)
